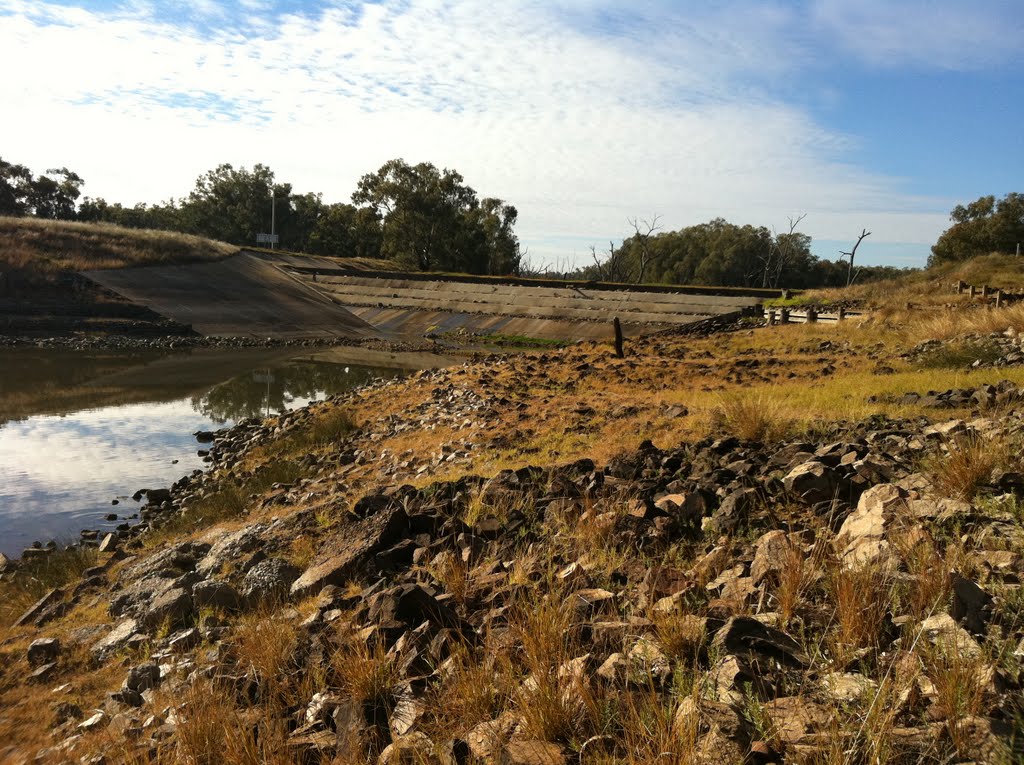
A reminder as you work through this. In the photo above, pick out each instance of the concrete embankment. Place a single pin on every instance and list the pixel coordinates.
(244, 295)
(266, 295)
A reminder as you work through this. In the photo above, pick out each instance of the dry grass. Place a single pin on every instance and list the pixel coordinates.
(965, 465)
(757, 416)
(35, 579)
(48, 247)
(862, 598)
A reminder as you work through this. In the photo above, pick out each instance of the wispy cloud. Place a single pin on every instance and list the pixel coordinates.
(579, 113)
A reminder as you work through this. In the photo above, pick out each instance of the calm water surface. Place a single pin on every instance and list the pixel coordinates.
(78, 431)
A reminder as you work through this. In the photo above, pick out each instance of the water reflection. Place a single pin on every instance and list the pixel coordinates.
(78, 432)
(267, 390)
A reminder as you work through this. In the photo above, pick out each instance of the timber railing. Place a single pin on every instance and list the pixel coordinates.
(785, 315)
(994, 295)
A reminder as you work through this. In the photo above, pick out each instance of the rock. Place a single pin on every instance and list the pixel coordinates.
(172, 607)
(746, 636)
(812, 482)
(411, 749)
(733, 511)
(529, 752)
(354, 546)
(109, 543)
(971, 604)
(942, 631)
(43, 651)
(116, 639)
(38, 611)
(686, 509)
(793, 717)
(268, 581)
(981, 739)
(214, 593)
(93, 723)
(847, 687)
(771, 555)
(861, 538)
(158, 496)
(142, 677)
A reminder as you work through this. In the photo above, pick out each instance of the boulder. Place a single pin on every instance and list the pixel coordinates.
(746, 636)
(173, 608)
(812, 482)
(269, 581)
(972, 606)
(733, 511)
(116, 639)
(43, 651)
(861, 539)
(215, 593)
(354, 546)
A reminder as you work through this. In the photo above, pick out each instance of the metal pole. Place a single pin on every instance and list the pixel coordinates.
(273, 210)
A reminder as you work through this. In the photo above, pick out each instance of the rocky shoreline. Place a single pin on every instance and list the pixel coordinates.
(447, 570)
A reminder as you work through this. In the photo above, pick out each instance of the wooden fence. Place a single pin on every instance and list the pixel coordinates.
(806, 316)
(994, 295)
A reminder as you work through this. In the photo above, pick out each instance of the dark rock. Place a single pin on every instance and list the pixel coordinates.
(733, 511)
(812, 482)
(43, 651)
(214, 593)
(172, 607)
(142, 677)
(38, 611)
(745, 636)
(972, 606)
(353, 547)
(268, 581)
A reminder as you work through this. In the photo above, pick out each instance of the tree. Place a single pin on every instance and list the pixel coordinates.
(431, 220)
(346, 231)
(642, 231)
(981, 227)
(15, 184)
(235, 205)
(864, 234)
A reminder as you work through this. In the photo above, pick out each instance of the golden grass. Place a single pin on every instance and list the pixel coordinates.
(965, 465)
(47, 246)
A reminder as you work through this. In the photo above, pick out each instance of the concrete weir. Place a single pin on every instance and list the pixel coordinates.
(244, 295)
(265, 295)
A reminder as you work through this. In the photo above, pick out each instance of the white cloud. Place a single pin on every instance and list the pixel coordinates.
(948, 34)
(534, 102)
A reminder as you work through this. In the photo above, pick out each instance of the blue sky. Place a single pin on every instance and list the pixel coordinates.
(584, 114)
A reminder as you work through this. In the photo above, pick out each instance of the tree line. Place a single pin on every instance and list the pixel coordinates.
(420, 217)
(428, 219)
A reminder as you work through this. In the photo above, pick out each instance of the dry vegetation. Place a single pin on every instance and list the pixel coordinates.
(48, 247)
(906, 696)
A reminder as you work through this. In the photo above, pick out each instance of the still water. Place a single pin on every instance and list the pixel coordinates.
(78, 430)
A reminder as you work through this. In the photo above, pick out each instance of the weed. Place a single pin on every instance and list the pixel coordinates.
(965, 465)
(861, 598)
(752, 417)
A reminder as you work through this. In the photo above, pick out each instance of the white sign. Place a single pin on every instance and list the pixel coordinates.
(267, 238)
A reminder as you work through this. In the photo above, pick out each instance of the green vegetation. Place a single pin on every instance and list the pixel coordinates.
(726, 254)
(982, 227)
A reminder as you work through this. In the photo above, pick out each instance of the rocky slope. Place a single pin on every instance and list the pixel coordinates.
(849, 592)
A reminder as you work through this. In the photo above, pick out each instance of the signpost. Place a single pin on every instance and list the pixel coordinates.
(270, 239)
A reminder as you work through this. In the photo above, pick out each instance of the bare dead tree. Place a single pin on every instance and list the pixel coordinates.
(776, 259)
(644, 229)
(864, 234)
(610, 267)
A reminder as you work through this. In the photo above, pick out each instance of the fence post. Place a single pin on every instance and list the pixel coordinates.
(812, 316)
(974, 291)
(960, 287)
(618, 337)
(784, 316)
(842, 313)
(984, 290)
(999, 298)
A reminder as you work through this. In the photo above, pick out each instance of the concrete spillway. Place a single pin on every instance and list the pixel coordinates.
(266, 295)
(243, 295)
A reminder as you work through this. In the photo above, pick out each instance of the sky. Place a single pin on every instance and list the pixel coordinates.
(859, 114)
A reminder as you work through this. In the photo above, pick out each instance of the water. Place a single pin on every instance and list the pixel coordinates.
(80, 430)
